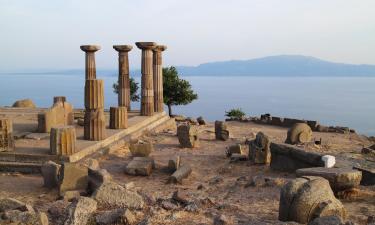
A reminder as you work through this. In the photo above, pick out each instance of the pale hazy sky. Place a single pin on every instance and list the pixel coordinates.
(47, 33)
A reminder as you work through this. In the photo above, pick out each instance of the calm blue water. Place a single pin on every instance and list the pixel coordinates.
(331, 100)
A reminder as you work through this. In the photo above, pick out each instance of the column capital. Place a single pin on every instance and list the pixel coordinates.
(159, 48)
(123, 48)
(90, 48)
(146, 45)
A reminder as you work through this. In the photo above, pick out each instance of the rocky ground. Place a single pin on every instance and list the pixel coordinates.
(235, 192)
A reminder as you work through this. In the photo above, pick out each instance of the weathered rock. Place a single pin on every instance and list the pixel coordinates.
(168, 205)
(322, 128)
(50, 172)
(96, 178)
(181, 196)
(71, 195)
(25, 218)
(289, 122)
(222, 220)
(259, 149)
(277, 121)
(110, 194)
(6, 135)
(235, 157)
(141, 166)
(289, 158)
(307, 198)
(93, 164)
(180, 174)
(7, 204)
(80, 211)
(192, 121)
(116, 216)
(201, 121)
(327, 220)
(142, 149)
(237, 148)
(368, 175)
(299, 133)
(221, 131)
(187, 136)
(329, 161)
(73, 177)
(63, 140)
(24, 103)
(339, 178)
(313, 124)
(174, 164)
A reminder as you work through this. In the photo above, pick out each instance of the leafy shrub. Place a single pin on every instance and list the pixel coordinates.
(235, 113)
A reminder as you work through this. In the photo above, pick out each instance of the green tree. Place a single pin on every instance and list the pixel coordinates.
(235, 113)
(134, 96)
(176, 91)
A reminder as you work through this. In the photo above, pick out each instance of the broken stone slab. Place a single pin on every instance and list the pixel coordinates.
(112, 195)
(116, 216)
(73, 177)
(329, 161)
(339, 178)
(180, 174)
(368, 175)
(174, 164)
(142, 149)
(50, 172)
(96, 178)
(259, 149)
(289, 158)
(306, 198)
(80, 211)
(37, 136)
(187, 136)
(140, 166)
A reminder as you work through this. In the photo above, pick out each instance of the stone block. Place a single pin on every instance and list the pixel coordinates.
(289, 122)
(6, 135)
(339, 178)
(221, 131)
(54, 116)
(73, 177)
(96, 178)
(174, 164)
(94, 94)
(234, 149)
(313, 124)
(94, 128)
(68, 112)
(50, 172)
(306, 198)
(259, 149)
(142, 149)
(116, 216)
(118, 118)
(368, 175)
(80, 211)
(187, 136)
(329, 161)
(140, 166)
(63, 140)
(182, 173)
(299, 133)
(277, 121)
(289, 158)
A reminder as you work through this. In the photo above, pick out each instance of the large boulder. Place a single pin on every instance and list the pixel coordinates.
(24, 103)
(339, 178)
(299, 133)
(112, 195)
(307, 198)
(80, 211)
(259, 149)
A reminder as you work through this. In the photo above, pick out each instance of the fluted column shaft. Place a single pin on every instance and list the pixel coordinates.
(123, 76)
(158, 78)
(147, 84)
(90, 67)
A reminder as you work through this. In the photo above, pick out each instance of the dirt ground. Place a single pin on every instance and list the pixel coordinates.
(218, 186)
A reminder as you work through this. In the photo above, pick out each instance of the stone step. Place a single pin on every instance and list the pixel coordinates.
(20, 167)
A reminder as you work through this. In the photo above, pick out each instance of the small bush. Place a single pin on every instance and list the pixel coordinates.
(235, 113)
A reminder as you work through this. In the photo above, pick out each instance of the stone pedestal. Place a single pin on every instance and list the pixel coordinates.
(158, 78)
(147, 84)
(94, 96)
(221, 131)
(123, 76)
(187, 136)
(63, 140)
(118, 118)
(94, 125)
(6, 135)
(90, 60)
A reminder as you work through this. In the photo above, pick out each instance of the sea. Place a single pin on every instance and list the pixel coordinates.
(332, 101)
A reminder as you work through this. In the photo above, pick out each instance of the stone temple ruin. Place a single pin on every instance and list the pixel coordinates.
(58, 136)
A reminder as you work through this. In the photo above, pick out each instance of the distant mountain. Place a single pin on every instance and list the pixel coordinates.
(283, 65)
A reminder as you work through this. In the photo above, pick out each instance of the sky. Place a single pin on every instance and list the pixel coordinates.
(45, 34)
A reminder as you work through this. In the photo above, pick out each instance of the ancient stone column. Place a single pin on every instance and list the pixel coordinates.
(90, 68)
(94, 121)
(118, 118)
(63, 140)
(6, 135)
(158, 78)
(147, 84)
(123, 75)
